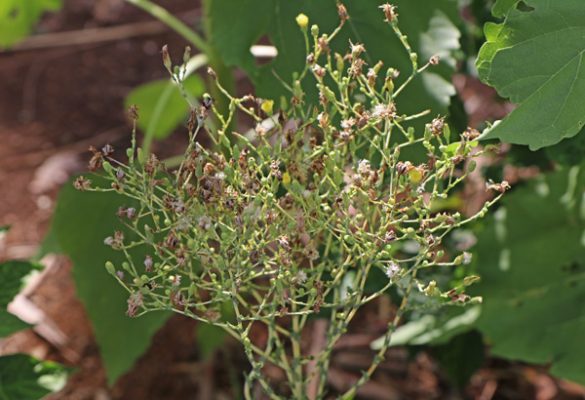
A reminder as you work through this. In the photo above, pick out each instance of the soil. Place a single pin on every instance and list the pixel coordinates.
(57, 100)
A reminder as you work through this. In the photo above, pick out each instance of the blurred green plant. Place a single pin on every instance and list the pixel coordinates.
(22, 377)
(18, 17)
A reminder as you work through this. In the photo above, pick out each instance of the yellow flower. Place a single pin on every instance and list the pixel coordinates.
(267, 106)
(416, 175)
(302, 21)
(286, 178)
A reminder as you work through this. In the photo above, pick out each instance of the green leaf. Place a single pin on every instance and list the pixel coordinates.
(235, 27)
(531, 257)
(81, 222)
(535, 58)
(209, 339)
(460, 357)
(161, 106)
(25, 378)
(501, 7)
(11, 276)
(568, 152)
(17, 18)
(10, 324)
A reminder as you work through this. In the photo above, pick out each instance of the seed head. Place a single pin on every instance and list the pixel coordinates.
(81, 183)
(108, 150)
(389, 12)
(342, 12)
(437, 125)
(148, 263)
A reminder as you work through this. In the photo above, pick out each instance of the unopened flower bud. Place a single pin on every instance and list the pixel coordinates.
(110, 268)
(315, 30)
(168, 63)
(267, 106)
(302, 21)
(187, 55)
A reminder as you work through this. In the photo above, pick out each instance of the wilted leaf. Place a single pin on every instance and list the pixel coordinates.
(531, 257)
(535, 59)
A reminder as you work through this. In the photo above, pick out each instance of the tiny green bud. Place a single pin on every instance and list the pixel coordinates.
(110, 268)
(107, 167)
(315, 30)
(470, 280)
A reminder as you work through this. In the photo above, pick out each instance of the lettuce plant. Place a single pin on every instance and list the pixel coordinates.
(291, 220)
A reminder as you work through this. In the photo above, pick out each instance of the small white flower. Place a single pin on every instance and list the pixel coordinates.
(391, 270)
(467, 257)
(379, 111)
(301, 277)
(364, 167)
(220, 175)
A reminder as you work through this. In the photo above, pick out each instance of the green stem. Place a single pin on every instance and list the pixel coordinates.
(223, 72)
(173, 22)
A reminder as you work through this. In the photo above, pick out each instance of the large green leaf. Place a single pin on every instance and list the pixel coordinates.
(236, 26)
(535, 58)
(81, 222)
(25, 378)
(161, 105)
(18, 17)
(531, 257)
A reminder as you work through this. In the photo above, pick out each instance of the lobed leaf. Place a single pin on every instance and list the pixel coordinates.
(535, 58)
